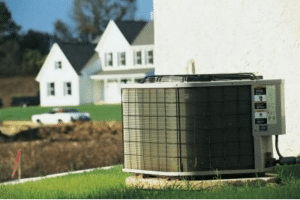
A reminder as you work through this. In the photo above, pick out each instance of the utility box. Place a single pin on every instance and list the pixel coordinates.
(194, 125)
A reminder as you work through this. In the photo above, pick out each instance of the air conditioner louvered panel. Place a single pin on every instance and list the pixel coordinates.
(170, 95)
(226, 127)
(131, 95)
(127, 161)
(188, 129)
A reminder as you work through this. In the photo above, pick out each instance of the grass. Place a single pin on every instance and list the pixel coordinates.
(98, 112)
(111, 184)
(86, 185)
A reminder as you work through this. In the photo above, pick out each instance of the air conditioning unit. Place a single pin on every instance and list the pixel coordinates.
(195, 125)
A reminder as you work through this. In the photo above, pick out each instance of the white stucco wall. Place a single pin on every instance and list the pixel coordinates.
(49, 74)
(230, 36)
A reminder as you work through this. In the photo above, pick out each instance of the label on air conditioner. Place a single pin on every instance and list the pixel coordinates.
(259, 115)
(259, 98)
(261, 121)
(260, 91)
(260, 105)
(263, 128)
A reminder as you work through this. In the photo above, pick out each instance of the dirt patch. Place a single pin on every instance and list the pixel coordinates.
(14, 127)
(61, 148)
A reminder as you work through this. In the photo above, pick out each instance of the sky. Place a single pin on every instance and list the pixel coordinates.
(40, 15)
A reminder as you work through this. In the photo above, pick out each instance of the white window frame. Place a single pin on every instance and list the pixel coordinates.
(148, 57)
(68, 88)
(122, 58)
(109, 59)
(136, 57)
(51, 89)
(58, 65)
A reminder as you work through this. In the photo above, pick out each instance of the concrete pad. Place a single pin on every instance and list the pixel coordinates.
(162, 183)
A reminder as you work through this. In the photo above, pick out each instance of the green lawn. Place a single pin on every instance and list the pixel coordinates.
(98, 112)
(111, 184)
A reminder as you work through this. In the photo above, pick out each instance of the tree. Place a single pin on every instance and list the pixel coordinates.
(20, 53)
(92, 16)
(32, 61)
(10, 58)
(62, 32)
(36, 40)
(7, 26)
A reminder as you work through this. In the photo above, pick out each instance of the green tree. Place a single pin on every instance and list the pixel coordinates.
(10, 58)
(36, 40)
(8, 27)
(35, 46)
(32, 61)
(20, 53)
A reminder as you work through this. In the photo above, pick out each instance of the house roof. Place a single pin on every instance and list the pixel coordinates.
(78, 54)
(146, 36)
(97, 39)
(130, 29)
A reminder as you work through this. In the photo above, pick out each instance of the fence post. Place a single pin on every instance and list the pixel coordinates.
(17, 165)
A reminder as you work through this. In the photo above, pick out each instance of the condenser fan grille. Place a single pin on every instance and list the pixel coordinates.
(188, 129)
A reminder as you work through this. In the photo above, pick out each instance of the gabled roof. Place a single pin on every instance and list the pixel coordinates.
(78, 54)
(130, 29)
(146, 36)
(97, 39)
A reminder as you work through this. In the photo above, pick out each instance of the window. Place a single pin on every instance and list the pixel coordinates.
(58, 65)
(138, 80)
(122, 58)
(149, 59)
(138, 57)
(51, 89)
(67, 88)
(124, 81)
(109, 59)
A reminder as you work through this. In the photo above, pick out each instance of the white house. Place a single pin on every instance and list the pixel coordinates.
(126, 49)
(64, 76)
(76, 74)
(230, 36)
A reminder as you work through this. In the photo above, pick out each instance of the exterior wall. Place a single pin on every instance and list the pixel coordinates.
(86, 89)
(86, 83)
(49, 74)
(98, 88)
(230, 36)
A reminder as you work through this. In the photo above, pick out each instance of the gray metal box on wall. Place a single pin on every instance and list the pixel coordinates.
(201, 124)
